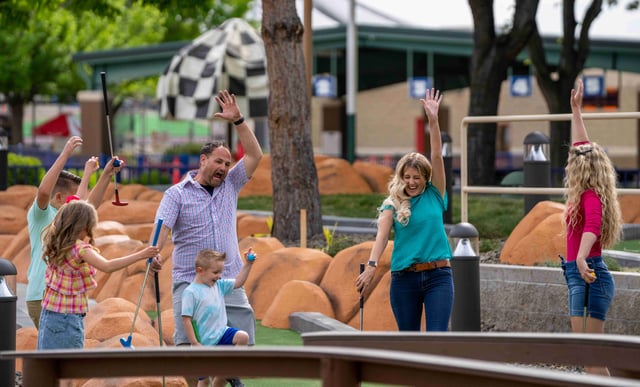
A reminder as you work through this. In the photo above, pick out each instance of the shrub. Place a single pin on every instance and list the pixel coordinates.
(24, 170)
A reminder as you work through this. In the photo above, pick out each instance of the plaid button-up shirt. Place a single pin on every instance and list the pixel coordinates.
(199, 221)
(68, 284)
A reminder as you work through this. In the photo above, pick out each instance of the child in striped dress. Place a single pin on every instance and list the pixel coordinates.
(71, 265)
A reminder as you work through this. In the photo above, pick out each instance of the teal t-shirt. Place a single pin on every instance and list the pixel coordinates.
(205, 305)
(424, 238)
(37, 220)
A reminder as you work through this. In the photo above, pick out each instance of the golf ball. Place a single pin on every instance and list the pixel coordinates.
(251, 257)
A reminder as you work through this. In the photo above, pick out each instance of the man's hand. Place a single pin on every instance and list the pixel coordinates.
(230, 109)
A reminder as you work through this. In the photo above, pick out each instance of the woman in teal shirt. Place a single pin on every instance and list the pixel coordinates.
(420, 267)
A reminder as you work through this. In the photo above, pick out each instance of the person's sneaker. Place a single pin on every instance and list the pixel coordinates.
(235, 382)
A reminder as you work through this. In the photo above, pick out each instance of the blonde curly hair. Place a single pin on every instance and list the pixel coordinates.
(589, 167)
(69, 224)
(398, 198)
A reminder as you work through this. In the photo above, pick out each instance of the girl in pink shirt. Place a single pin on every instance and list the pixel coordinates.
(71, 265)
(593, 221)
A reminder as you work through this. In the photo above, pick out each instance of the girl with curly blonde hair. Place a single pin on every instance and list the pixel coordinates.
(421, 279)
(593, 222)
(71, 261)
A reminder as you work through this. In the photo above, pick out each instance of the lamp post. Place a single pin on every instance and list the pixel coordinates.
(536, 167)
(465, 266)
(4, 159)
(7, 323)
(447, 156)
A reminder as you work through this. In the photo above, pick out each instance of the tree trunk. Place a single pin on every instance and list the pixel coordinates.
(293, 171)
(16, 106)
(556, 86)
(490, 60)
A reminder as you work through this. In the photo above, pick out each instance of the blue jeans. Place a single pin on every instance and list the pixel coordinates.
(60, 330)
(409, 291)
(600, 291)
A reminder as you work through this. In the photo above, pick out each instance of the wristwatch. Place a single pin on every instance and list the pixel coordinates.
(372, 263)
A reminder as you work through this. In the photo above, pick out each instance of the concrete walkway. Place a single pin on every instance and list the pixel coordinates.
(22, 316)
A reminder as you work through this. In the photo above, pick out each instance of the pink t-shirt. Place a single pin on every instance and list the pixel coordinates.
(590, 220)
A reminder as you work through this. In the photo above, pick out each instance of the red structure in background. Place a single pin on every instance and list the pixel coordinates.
(62, 125)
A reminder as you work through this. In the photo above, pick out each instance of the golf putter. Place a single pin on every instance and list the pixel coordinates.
(116, 163)
(361, 300)
(127, 342)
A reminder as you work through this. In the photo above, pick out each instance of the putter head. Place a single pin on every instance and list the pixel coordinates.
(117, 202)
(126, 342)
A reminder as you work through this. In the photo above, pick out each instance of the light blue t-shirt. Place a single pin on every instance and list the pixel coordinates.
(37, 220)
(205, 305)
(424, 238)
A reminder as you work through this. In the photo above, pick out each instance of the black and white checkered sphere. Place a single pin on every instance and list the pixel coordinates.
(231, 57)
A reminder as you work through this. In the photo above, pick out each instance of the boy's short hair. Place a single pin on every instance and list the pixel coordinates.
(67, 182)
(207, 256)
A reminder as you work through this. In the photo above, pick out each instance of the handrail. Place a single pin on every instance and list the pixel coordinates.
(464, 179)
(618, 352)
(336, 367)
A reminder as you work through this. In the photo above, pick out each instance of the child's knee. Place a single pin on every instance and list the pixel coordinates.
(241, 338)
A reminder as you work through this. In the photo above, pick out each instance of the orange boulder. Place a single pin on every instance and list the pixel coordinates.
(296, 296)
(543, 243)
(630, 208)
(249, 225)
(272, 270)
(12, 219)
(376, 312)
(376, 175)
(21, 196)
(16, 243)
(26, 340)
(339, 281)
(260, 182)
(137, 211)
(147, 381)
(109, 227)
(337, 176)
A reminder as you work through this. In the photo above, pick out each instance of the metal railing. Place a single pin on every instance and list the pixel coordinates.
(465, 189)
(335, 367)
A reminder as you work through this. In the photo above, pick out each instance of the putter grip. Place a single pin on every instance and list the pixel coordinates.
(103, 78)
(156, 234)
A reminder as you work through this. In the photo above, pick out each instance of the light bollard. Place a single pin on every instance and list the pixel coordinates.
(7, 323)
(465, 267)
(536, 167)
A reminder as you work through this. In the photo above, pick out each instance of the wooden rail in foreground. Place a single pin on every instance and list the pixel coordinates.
(618, 352)
(336, 367)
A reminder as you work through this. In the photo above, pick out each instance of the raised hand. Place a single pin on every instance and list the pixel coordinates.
(431, 102)
(91, 165)
(576, 96)
(230, 109)
(72, 143)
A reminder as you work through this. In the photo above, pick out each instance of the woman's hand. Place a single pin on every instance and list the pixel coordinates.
(365, 278)
(431, 103)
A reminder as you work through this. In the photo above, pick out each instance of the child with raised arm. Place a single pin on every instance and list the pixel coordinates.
(203, 310)
(593, 222)
(71, 263)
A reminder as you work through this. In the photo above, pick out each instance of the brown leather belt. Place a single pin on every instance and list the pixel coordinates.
(425, 266)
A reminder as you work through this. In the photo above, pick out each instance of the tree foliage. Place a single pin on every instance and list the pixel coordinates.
(39, 37)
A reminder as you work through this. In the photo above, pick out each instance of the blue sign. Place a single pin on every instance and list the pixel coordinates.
(418, 86)
(520, 85)
(324, 86)
(593, 85)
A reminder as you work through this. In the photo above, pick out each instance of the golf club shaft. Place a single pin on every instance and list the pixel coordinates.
(586, 306)
(361, 299)
(103, 78)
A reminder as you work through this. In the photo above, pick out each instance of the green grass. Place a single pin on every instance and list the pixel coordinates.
(270, 336)
(494, 216)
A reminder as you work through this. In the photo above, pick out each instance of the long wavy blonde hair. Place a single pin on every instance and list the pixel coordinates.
(398, 198)
(68, 225)
(589, 167)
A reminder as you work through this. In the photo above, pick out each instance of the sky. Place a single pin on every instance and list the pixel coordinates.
(612, 23)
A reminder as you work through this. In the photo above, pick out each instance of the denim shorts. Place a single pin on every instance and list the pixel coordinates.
(600, 291)
(60, 330)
